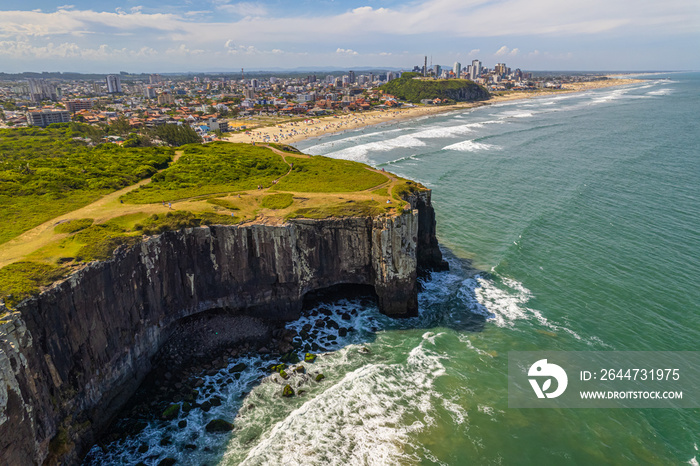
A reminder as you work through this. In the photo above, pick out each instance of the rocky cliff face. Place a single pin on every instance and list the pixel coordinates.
(71, 356)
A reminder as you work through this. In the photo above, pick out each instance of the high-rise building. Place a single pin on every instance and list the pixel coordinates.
(351, 77)
(149, 92)
(457, 69)
(154, 79)
(41, 89)
(501, 69)
(114, 84)
(476, 70)
(75, 105)
(437, 69)
(44, 118)
(390, 75)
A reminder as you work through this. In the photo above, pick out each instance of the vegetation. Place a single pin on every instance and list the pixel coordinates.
(71, 226)
(24, 279)
(215, 168)
(278, 201)
(346, 209)
(325, 175)
(176, 135)
(179, 219)
(415, 90)
(48, 172)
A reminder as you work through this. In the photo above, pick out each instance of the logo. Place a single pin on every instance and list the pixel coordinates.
(543, 369)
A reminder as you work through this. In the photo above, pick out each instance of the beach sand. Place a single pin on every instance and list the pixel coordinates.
(289, 133)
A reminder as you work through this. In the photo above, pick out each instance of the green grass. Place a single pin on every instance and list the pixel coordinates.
(179, 219)
(381, 192)
(226, 204)
(278, 201)
(325, 175)
(99, 241)
(24, 279)
(213, 168)
(45, 173)
(71, 226)
(346, 209)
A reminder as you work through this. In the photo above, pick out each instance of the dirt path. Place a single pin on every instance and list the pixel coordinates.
(106, 207)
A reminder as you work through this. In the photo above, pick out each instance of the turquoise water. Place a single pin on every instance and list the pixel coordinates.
(570, 223)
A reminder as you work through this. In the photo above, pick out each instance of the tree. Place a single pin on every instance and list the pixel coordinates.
(176, 135)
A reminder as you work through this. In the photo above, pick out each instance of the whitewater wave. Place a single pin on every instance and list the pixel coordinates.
(470, 146)
(359, 153)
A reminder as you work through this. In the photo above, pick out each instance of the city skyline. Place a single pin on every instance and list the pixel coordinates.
(222, 35)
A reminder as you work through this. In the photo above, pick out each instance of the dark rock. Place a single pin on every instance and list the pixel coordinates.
(165, 441)
(319, 377)
(342, 331)
(167, 462)
(320, 323)
(143, 448)
(306, 328)
(206, 406)
(287, 391)
(219, 425)
(182, 424)
(240, 367)
(309, 357)
(170, 412)
(333, 324)
(190, 446)
(345, 316)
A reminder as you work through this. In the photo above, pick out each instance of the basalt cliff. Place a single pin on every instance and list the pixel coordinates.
(71, 356)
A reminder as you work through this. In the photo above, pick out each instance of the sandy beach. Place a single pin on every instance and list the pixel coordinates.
(289, 133)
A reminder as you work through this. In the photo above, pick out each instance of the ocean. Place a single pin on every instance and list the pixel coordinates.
(571, 222)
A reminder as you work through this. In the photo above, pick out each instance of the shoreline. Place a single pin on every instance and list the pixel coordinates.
(293, 132)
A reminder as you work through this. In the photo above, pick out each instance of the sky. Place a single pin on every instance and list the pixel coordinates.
(136, 36)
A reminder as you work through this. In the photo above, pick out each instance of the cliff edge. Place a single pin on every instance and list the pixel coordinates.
(71, 356)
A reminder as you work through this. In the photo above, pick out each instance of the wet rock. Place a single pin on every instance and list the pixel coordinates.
(206, 406)
(345, 316)
(325, 312)
(309, 357)
(364, 350)
(300, 370)
(182, 424)
(190, 446)
(284, 375)
(319, 377)
(287, 391)
(240, 367)
(170, 412)
(333, 324)
(143, 448)
(306, 328)
(264, 350)
(165, 441)
(167, 462)
(320, 323)
(219, 425)
(342, 331)
(215, 401)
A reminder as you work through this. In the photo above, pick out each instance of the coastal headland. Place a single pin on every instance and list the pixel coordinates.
(236, 234)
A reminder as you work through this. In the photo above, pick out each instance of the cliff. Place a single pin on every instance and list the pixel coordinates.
(70, 357)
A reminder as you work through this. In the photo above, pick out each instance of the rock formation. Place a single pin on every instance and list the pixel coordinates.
(70, 357)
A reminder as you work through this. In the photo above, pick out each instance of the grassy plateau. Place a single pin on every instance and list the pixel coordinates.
(65, 201)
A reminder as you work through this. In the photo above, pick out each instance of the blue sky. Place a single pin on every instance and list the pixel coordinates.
(226, 35)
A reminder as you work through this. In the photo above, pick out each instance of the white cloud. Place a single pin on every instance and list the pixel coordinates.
(514, 52)
(502, 51)
(473, 52)
(346, 51)
(241, 8)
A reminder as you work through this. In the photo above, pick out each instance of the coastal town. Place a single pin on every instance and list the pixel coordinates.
(223, 106)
